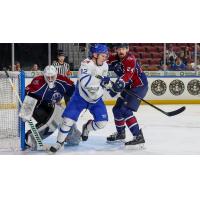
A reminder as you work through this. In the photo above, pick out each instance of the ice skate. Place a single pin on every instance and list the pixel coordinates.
(85, 132)
(137, 143)
(116, 137)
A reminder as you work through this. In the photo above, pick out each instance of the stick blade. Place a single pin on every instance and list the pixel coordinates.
(176, 112)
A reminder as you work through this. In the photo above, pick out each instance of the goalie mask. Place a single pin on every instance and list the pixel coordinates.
(50, 75)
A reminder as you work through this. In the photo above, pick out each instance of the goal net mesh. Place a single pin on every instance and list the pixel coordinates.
(10, 123)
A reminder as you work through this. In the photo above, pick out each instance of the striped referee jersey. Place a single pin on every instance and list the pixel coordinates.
(61, 68)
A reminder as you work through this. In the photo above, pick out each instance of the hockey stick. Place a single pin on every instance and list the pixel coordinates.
(33, 128)
(169, 114)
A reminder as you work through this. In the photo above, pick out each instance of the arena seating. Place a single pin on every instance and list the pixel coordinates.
(151, 54)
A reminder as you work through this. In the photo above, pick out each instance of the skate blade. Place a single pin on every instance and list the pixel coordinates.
(135, 147)
(116, 142)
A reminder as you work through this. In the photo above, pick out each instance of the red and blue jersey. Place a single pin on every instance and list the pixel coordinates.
(128, 69)
(39, 89)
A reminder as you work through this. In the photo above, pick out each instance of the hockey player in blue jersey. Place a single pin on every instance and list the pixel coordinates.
(88, 95)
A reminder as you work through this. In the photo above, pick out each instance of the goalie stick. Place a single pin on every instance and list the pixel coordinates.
(36, 135)
(169, 114)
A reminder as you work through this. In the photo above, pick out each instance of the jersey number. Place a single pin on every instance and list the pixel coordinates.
(83, 71)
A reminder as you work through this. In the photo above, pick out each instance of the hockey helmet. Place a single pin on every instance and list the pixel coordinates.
(98, 48)
(50, 75)
(121, 45)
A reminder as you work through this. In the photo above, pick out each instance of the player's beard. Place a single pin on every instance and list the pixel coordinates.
(121, 55)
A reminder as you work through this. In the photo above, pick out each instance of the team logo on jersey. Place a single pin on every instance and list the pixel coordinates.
(104, 116)
(193, 87)
(129, 69)
(176, 87)
(56, 97)
(158, 87)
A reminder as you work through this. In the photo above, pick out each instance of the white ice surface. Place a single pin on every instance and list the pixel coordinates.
(164, 135)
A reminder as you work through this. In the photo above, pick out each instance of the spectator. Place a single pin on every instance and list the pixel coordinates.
(170, 55)
(194, 67)
(178, 65)
(17, 66)
(198, 52)
(35, 67)
(187, 55)
(164, 67)
(182, 57)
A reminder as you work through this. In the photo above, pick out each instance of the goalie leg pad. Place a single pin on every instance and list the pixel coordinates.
(56, 118)
(74, 136)
(30, 141)
(52, 124)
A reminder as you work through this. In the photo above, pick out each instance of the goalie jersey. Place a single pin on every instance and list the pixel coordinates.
(39, 89)
(88, 86)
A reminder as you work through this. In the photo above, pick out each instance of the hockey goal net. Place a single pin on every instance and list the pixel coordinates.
(12, 129)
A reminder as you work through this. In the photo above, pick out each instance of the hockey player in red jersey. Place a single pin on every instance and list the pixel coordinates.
(42, 102)
(133, 79)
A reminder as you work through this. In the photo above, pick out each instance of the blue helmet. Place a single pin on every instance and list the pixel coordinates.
(98, 48)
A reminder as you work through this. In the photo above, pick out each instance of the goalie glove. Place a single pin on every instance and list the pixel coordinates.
(27, 108)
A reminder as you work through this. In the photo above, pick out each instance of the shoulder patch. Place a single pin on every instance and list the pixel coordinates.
(65, 79)
(130, 58)
(36, 82)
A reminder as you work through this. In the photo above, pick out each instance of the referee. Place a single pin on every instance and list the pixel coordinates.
(61, 66)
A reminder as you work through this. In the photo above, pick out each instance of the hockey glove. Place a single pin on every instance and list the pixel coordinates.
(105, 80)
(112, 93)
(118, 85)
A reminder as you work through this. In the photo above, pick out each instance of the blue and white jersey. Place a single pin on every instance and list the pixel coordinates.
(88, 85)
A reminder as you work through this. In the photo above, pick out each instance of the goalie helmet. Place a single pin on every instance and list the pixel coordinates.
(50, 75)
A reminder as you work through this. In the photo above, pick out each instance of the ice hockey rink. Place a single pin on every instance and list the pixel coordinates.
(164, 135)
